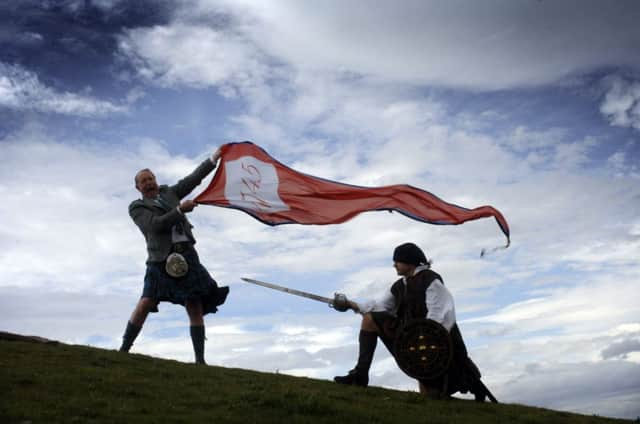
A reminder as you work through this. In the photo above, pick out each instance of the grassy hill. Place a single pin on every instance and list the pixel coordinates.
(49, 383)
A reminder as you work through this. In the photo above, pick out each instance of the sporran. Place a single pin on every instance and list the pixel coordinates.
(176, 265)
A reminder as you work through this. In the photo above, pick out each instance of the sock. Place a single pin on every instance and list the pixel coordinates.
(129, 337)
(197, 338)
(368, 341)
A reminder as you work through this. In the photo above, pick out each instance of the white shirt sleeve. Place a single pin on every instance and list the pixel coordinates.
(386, 303)
(440, 305)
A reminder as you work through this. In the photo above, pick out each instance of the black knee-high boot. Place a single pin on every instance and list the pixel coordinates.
(359, 376)
(197, 338)
(129, 337)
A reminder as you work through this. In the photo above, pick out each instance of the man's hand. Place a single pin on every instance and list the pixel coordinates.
(187, 206)
(354, 306)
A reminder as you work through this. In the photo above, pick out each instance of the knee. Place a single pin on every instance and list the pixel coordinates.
(146, 304)
(368, 324)
(194, 311)
(194, 308)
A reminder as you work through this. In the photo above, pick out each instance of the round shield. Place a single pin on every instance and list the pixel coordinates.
(423, 349)
(176, 265)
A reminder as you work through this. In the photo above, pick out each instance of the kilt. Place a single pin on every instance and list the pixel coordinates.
(454, 380)
(197, 284)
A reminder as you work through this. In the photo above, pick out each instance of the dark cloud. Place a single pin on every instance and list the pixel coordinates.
(71, 43)
(582, 387)
(621, 349)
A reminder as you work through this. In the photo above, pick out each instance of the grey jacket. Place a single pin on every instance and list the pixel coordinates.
(155, 221)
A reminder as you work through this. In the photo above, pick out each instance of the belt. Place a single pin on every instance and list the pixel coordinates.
(181, 247)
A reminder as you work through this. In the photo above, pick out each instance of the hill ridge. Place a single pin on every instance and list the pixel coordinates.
(49, 381)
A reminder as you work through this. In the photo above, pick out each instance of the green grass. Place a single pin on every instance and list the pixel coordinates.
(43, 383)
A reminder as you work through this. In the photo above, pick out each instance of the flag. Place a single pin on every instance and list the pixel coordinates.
(250, 180)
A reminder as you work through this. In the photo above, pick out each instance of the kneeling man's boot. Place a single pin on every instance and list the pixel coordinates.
(359, 376)
(354, 377)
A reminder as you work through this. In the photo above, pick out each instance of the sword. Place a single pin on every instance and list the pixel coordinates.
(339, 301)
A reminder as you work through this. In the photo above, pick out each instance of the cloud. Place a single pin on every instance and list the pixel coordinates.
(566, 310)
(21, 89)
(199, 56)
(621, 349)
(73, 200)
(491, 46)
(592, 385)
(621, 103)
(559, 370)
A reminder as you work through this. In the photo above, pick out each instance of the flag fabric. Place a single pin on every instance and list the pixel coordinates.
(250, 180)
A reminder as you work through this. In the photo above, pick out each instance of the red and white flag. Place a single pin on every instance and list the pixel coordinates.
(250, 180)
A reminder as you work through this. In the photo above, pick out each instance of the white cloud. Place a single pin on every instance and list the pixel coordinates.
(493, 45)
(569, 309)
(621, 103)
(73, 219)
(21, 89)
(194, 55)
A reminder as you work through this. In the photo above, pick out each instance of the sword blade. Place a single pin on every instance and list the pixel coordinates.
(290, 291)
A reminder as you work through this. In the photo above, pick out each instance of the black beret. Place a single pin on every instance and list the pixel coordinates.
(409, 253)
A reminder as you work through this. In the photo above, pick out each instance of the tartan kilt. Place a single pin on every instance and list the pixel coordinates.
(197, 284)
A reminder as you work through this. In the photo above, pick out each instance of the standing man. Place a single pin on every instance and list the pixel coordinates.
(174, 272)
(420, 293)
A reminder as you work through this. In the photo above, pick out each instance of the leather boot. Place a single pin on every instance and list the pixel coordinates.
(354, 377)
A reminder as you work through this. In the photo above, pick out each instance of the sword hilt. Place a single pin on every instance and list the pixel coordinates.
(340, 302)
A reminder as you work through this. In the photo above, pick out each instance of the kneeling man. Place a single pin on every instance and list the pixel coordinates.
(420, 293)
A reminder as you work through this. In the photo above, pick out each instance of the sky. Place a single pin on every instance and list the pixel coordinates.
(530, 106)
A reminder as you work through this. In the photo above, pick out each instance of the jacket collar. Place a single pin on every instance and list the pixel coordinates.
(417, 271)
(153, 203)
